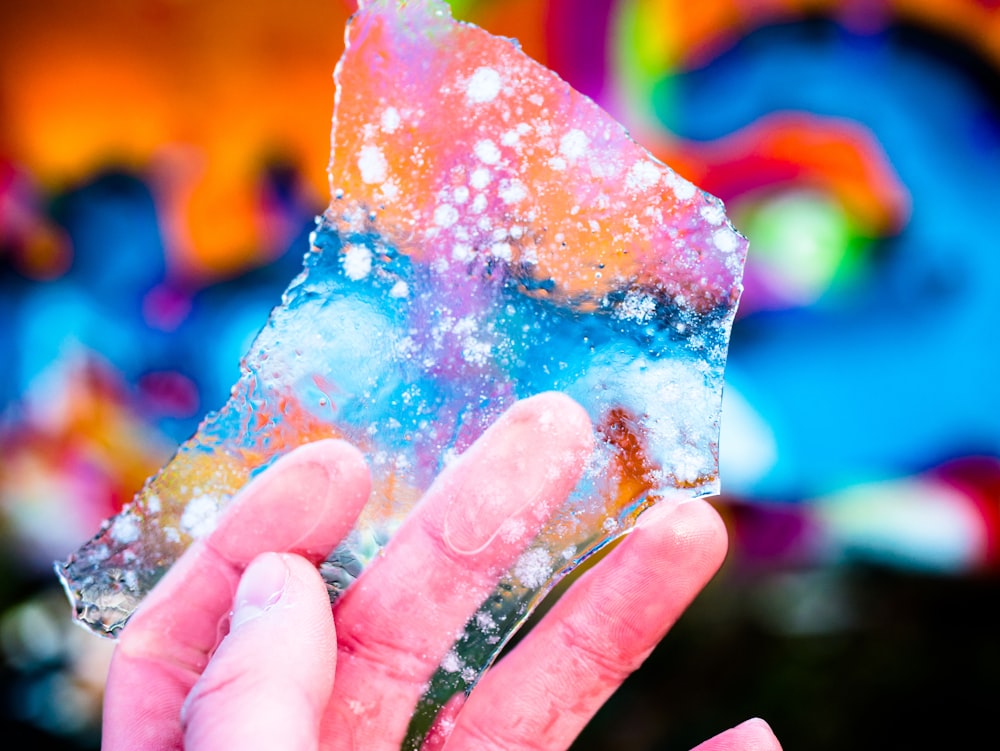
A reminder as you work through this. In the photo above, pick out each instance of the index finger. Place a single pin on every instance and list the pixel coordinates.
(304, 504)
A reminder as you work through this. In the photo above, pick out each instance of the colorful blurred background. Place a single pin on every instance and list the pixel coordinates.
(161, 162)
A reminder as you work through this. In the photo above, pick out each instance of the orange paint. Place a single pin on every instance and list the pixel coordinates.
(839, 157)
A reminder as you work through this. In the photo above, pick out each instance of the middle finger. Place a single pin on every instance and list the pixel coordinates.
(396, 623)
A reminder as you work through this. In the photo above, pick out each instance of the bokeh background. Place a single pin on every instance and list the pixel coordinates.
(161, 162)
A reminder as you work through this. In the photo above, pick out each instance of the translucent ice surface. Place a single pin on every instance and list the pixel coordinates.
(492, 234)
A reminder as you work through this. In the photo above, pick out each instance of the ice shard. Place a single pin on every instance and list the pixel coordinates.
(492, 234)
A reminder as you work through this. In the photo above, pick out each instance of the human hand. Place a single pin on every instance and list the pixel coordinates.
(282, 673)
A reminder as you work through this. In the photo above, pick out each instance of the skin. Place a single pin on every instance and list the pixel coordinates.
(236, 647)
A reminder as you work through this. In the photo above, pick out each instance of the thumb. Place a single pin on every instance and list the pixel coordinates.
(269, 681)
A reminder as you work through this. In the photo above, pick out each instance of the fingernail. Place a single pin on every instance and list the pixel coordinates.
(484, 507)
(260, 588)
(760, 728)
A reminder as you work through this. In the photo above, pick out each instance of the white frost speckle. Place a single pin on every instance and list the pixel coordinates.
(485, 621)
(390, 190)
(725, 240)
(573, 144)
(713, 214)
(512, 191)
(400, 289)
(390, 120)
(487, 151)
(452, 663)
(687, 465)
(374, 168)
(642, 176)
(683, 189)
(636, 306)
(357, 260)
(557, 163)
(200, 516)
(479, 204)
(533, 568)
(483, 86)
(480, 178)
(503, 251)
(461, 194)
(476, 352)
(125, 530)
(462, 252)
(445, 215)
(153, 504)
